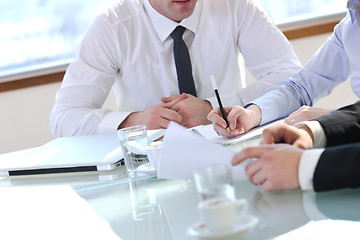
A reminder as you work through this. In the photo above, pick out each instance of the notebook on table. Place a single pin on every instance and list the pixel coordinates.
(69, 154)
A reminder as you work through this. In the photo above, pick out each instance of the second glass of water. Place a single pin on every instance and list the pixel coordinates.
(214, 181)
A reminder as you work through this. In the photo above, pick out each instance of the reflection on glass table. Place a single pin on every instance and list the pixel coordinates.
(165, 209)
(283, 211)
(146, 207)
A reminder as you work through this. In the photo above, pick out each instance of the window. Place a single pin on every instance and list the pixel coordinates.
(44, 34)
(290, 12)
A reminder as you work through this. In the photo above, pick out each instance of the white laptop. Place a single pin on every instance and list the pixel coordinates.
(69, 154)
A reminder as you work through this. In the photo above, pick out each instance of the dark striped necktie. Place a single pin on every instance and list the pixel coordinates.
(183, 63)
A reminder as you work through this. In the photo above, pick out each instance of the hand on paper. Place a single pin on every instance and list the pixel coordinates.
(240, 120)
(192, 110)
(157, 117)
(276, 167)
(306, 113)
(284, 133)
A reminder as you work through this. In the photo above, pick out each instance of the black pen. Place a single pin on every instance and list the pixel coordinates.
(212, 78)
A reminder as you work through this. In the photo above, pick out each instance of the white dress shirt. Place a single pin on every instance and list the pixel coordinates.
(330, 66)
(128, 47)
(310, 158)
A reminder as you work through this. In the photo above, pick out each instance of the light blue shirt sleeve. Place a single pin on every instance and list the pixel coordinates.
(326, 69)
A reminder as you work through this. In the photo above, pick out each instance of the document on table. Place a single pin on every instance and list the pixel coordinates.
(324, 230)
(208, 132)
(49, 212)
(183, 151)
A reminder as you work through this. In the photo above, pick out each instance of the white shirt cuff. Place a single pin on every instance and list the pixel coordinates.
(318, 132)
(111, 121)
(307, 165)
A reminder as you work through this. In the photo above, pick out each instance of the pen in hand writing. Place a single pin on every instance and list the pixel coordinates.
(212, 78)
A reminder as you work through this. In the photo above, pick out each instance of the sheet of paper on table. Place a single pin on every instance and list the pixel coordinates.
(324, 230)
(49, 212)
(183, 151)
(208, 132)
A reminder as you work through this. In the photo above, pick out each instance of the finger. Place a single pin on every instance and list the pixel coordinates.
(215, 117)
(250, 152)
(220, 130)
(174, 101)
(169, 99)
(252, 169)
(258, 177)
(267, 137)
(275, 134)
(213, 114)
(236, 122)
(171, 115)
(233, 116)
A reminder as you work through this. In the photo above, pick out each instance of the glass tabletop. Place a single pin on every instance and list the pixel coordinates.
(165, 209)
(146, 207)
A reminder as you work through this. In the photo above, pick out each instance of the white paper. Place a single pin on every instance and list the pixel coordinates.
(325, 230)
(184, 151)
(209, 133)
(49, 212)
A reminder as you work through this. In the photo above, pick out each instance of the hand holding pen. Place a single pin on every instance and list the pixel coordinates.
(238, 120)
(212, 78)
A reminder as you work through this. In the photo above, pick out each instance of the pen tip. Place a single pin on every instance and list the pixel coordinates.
(228, 130)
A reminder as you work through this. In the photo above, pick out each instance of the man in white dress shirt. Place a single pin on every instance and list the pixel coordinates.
(129, 48)
(331, 65)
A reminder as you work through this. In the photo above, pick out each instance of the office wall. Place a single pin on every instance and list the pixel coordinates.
(24, 121)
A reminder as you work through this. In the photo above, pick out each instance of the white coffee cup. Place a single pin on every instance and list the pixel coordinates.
(220, 214)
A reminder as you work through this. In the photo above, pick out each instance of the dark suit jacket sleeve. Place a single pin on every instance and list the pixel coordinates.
(338, 167)
(342, 126)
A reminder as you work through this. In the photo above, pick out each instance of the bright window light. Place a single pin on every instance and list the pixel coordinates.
(40, 35)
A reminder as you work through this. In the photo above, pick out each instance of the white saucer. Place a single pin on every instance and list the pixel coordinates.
(200, 231)
(147, 168)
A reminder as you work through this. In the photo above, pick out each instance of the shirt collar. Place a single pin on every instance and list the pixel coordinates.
(354, 10)
(164, 26)
(352, 15)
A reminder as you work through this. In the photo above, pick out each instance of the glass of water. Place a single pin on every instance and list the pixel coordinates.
(214, 181)
(133, 141)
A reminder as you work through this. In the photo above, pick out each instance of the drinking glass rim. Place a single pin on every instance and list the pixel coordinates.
(132, 128)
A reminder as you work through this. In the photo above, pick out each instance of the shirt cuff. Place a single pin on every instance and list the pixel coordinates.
(111, 121)
(213, 101)
(317, 131)
(307, 165)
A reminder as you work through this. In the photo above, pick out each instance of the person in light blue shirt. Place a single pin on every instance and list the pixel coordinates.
(331, 65)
